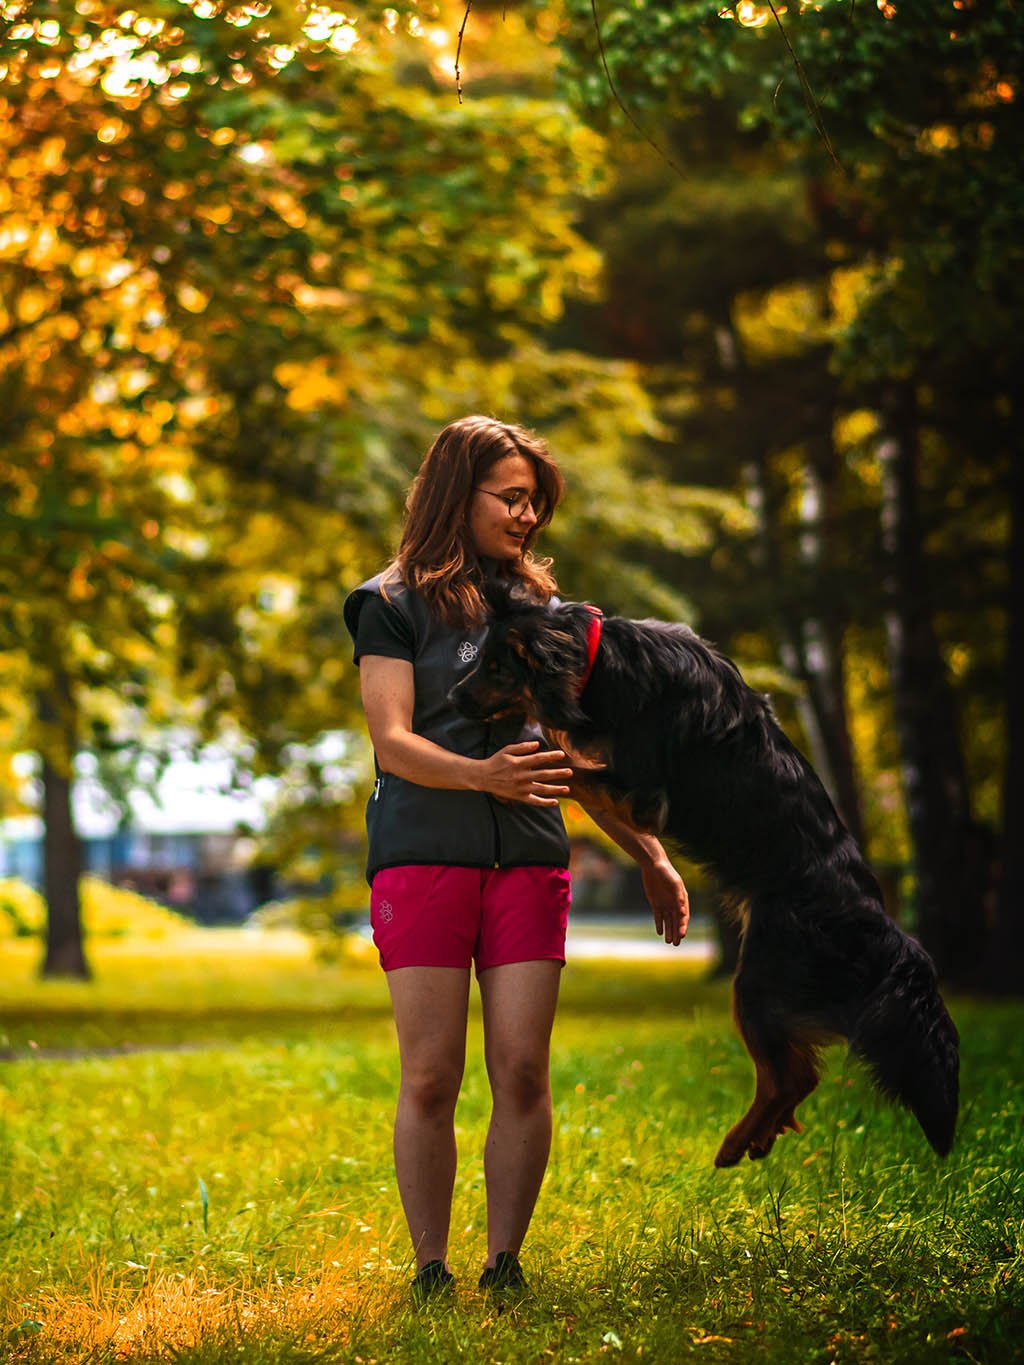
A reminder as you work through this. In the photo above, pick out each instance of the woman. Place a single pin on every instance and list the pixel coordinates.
(468, 853)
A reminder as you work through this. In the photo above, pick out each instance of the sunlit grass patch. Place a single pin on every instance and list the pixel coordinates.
(201, 984)
(107, 912)
(170, 1315)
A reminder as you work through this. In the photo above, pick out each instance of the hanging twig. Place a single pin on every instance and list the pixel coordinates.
(810, 99)
(618, 98)
(458, 50)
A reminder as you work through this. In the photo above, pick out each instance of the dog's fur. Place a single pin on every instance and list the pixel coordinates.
(691, 752)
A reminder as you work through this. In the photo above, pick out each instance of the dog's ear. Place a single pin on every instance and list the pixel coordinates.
(554, 648)
(504, 598)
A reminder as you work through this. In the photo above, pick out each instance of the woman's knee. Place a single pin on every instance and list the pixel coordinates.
(432, 1088)
(521, 1082)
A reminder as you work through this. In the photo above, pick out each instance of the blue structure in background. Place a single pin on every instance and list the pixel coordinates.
(194, 873)
(185, 839)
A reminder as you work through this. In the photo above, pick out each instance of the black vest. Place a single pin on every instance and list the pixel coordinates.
(407, 823)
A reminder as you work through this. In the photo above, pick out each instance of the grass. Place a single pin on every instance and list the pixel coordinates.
(228, 1193)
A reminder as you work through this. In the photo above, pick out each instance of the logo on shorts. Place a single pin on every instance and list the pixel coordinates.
(385, 912)
(467, 652)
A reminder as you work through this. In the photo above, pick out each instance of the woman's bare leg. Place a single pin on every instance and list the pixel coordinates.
(430, 1005)
(519, 1002)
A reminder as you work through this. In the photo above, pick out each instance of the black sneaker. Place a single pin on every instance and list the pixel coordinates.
(505, 1276)
(433, 1280)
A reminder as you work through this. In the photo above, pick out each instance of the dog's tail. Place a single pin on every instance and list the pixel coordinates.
(910, 1044)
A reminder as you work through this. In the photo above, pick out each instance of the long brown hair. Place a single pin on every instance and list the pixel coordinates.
(436, 555)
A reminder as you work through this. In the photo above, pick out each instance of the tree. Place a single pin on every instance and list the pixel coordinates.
(925, 224)
(248, 261)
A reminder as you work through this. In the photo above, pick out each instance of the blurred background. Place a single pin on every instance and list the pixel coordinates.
(756, 276)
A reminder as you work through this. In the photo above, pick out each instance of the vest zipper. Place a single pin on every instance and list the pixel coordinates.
(494, 816)
(497, 832)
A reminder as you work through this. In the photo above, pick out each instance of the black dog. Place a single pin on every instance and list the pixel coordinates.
(691, 752)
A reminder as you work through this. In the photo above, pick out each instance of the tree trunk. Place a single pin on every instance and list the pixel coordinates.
(949, 891)
(1002, 969)
(62, 851)
(823, 652)
(810, 647)
(812, 650)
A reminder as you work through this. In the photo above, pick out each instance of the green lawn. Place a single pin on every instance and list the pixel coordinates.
(225, 1191)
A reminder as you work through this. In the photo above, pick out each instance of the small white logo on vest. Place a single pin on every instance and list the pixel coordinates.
(467, 652)
(385, 912)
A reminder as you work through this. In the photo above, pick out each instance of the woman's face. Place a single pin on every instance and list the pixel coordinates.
(495, 532)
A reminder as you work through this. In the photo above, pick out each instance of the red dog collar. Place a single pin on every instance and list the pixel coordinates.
(593, 640)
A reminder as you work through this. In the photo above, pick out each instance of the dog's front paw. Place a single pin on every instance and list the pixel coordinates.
(731, 1152)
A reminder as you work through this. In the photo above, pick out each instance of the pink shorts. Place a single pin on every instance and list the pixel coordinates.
(429, 916)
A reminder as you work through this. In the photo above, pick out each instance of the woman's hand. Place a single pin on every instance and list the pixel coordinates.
(525, 772)
(666, 893)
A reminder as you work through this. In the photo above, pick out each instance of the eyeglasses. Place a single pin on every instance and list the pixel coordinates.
(517, 503)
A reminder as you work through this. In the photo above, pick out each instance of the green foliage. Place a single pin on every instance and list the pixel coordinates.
(247, 257)
(658, 55)
(851, 1242)
(922, 110)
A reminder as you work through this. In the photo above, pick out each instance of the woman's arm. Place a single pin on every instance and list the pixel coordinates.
(664, 888)
(519, 772)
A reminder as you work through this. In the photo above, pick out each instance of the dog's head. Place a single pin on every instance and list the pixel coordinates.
(531, 662)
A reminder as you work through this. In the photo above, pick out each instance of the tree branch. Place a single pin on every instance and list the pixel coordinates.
(618, 98)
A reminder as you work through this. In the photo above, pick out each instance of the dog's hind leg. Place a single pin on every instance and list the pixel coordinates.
(785, 1061)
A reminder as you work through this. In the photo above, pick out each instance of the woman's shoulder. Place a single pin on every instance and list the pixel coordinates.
(388, 591)
(383, 584)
